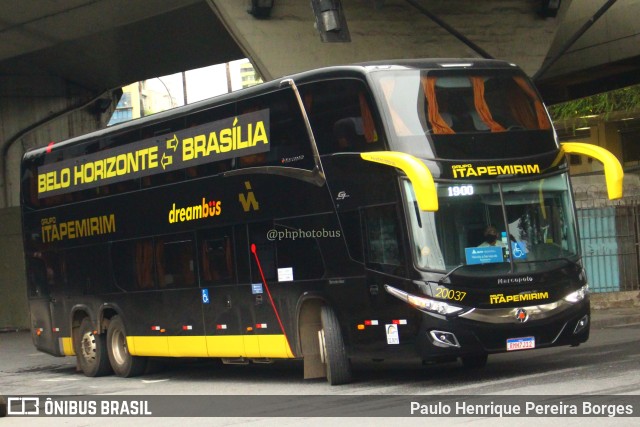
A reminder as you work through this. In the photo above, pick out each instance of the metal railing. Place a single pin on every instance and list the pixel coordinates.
(609, 236)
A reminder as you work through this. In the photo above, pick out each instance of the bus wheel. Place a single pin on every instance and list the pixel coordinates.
(332, 348)
(91, 351)
(122, 362)
(474, 361)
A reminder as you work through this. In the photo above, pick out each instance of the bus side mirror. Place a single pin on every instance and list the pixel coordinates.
(417, 172)
(613, 172)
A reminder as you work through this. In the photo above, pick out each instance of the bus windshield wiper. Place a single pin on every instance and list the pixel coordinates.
(441, 281)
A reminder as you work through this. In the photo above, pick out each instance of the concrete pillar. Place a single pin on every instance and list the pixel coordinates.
(34, 110)
(13, 304)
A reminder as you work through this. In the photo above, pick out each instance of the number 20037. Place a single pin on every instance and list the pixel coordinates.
(450, 294)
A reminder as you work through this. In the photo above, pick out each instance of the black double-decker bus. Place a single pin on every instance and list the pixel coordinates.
(402, 210)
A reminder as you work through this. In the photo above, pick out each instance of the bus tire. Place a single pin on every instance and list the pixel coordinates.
(91, 351)
(123, 363)
(474, 361)
(332, 348)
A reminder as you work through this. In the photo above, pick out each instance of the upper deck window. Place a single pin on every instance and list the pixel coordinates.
(474, 110)
(263, 130)
(341, 116)
(482, 103)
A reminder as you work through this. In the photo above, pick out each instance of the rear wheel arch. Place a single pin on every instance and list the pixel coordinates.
(321, 343)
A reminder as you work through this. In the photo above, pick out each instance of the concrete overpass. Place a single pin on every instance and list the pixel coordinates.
(62, 63)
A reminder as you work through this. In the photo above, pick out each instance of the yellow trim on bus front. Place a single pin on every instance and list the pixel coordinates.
(416, 170)
(613, 172)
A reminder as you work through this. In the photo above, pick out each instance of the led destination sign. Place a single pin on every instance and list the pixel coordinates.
(223, 139)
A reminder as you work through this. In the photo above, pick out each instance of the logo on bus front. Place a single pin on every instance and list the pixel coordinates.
(471, 171)
(522, 315)
(524, 297)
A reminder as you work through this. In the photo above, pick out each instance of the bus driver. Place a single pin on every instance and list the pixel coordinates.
(491, 238)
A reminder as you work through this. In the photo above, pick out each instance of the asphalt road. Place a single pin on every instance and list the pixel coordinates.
(608, 364)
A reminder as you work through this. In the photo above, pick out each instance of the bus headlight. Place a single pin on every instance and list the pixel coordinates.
(424, 303)
(578, 295)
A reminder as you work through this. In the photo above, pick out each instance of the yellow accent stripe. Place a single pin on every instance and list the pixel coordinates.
(613, 172)
(273, 346)
(187, 346)
(227, 346)
(67, 346)
(416, 170)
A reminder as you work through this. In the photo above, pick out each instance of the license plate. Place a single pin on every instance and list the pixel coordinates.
(524, 343)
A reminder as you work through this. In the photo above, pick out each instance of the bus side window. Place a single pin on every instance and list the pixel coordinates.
(298, 252)
(265, 250)
(341, 116)
(88, 271)
(160, 131)
(383, 249)
(289, 143)
(216, 254)
(175, 263)
(37, 277)
(352, 229)
(44, 273)
(201, 118)
(133, 264)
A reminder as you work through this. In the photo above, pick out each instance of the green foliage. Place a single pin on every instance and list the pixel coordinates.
(625, 99)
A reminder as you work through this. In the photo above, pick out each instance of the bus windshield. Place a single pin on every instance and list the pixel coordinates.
(523, 222)
(463, 114)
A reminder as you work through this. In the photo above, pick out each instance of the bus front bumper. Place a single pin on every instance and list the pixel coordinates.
(505, 329)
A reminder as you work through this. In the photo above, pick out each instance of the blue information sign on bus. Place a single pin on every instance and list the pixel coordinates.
(484, 255)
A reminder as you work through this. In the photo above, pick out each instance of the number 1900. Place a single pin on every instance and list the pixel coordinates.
(460, 190)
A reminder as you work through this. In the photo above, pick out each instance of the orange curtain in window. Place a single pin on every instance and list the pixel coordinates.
(521, 109)
(370, 134)
(144, 264)
(160, 263)
(543, 122)
(481, 105)
(438, 125)
(308, 101)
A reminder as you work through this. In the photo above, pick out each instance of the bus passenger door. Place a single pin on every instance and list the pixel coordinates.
(219, 269)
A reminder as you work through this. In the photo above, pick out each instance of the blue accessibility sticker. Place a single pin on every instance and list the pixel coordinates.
(205, 296)
(517, 249)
